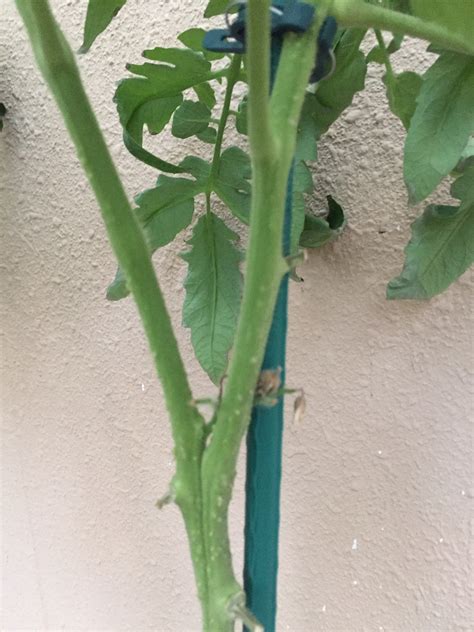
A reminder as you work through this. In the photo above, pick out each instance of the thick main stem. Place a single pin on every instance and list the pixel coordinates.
(272, 133)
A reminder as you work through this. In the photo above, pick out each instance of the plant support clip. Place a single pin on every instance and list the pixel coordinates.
(294, 17)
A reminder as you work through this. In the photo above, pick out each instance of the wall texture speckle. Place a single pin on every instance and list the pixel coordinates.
(377, 478)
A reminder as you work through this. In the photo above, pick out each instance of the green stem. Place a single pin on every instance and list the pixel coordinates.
(232, 77)
(208, 204)
(386, 57)
(361, 14)
(261, 139)
(217, 74)
(57, 64)
(272, 135)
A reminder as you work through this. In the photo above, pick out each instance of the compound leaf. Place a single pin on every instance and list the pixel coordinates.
(213, 291)
(151, 97)
(99, 15)
(441, 124)
(441, 247)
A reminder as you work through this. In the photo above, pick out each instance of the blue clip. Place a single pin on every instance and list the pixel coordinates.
(295, 18)
(221, 41)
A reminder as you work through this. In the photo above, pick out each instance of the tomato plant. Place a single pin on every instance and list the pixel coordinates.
(229, 313)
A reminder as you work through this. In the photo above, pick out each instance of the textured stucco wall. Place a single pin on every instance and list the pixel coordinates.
(376, 494)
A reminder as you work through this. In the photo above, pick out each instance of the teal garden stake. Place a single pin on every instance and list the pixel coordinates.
(265, 434)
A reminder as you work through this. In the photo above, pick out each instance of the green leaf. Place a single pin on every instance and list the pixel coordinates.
(154, 115)
(308, 131)
(3, 111)
(213, 290)
(166, 209)
(468, 151)
(316, 232)
(151, 97)
(463, 188)
(241, 118)
(441, 124)
(193, 39)
(197, 167)
(205, 94)
(163, 212)
(302, 183)
(118, 289)
(376, 55)
(209, 135)
(466, 159)
(455, 15)
(400, 5)
(332, 95)
(335, 217)
(402, 93)
(216, 7)
(232, 183)
(191, 117)
(99, 15)
(441, 247)
(319, 231)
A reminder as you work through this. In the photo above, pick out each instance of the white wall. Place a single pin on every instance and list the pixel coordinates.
(376, 491)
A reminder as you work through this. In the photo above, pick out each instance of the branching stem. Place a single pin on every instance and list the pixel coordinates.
(233, 73)
(202, 486)
(364, 15)
(385, 53)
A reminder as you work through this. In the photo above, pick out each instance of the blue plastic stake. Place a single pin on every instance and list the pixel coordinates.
(264, 445)
(264, 439)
